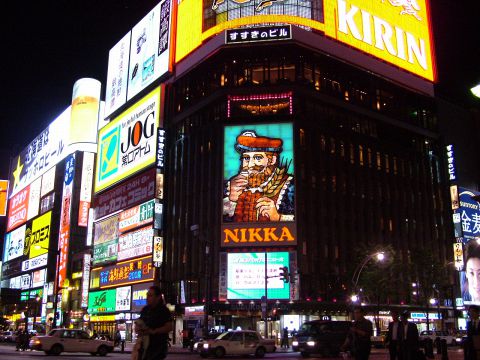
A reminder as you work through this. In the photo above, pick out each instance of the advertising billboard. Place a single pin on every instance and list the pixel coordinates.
(128, 143)
(397, 32)
(3, 197)
(14, 244)
(123, 299)
(150, 50)
(37, 236)
(135, 243)
(48, 181)
(470, 213)
(17, 209)
(45, 151)
(102, 301)
(246, 275)
(125, 273)
(139, 296)
(259, 190)
(85, 279)
(131, 192)
(470, 278)
(117, 75)
(106, 230)
(136, 216)
(86, 186)
(64, 234)
(105, 252)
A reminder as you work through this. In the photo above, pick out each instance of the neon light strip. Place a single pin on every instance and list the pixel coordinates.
(287, 95)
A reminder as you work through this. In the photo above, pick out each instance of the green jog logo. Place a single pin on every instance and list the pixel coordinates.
(109, 153)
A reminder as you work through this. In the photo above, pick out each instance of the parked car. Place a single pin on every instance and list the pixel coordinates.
(238, 342)
(323, 337)
(438, 334)
(8, 336)
(70, 340)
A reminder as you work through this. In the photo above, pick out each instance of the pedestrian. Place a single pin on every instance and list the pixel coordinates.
(25, 340)
(473, 332)
(19, 340)
(118, 338)
(358, 339)
(158, 323)
(185, 339)
(393, 336)
(284, 344)
(409, 337)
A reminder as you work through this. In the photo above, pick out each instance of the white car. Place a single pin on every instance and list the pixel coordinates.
(70, 340)
(438, 334)
(238, 342)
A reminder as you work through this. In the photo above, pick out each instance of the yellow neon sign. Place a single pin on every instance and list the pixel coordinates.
(396, 31)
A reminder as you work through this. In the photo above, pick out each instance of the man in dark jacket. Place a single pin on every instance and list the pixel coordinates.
(158, 321)
(410, 339)
(360, 333)
(394, 334)
(473, 330)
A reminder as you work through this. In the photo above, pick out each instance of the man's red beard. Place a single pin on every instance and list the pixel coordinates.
(258, 175)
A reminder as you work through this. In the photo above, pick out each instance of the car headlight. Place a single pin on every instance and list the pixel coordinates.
(311, 343)
(206, 346)
(195, 346)
(294, 343)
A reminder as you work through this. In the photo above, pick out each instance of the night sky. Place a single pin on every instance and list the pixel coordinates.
(48, 45)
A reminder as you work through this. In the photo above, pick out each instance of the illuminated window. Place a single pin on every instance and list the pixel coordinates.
(342, 149)
(379, 161)
(369, 157)
(352, 154)
(387, 164)
(323, 143)
(395, 167)
(360, 154)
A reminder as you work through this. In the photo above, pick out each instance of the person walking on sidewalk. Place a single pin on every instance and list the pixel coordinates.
(284, 344)
(410, 339)
(358, 339)
(393, 335)
(473, 332)
(158, 323)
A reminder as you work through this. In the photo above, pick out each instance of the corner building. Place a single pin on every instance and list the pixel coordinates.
(355, 132)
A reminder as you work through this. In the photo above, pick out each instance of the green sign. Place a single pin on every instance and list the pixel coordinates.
(31, 294)
(106, 251)
(102, 301)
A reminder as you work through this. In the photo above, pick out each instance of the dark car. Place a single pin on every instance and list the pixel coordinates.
(323, 337)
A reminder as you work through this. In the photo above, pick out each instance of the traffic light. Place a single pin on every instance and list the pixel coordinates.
(284, 274)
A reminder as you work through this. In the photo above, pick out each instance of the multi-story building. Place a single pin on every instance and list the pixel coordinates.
(48, 204)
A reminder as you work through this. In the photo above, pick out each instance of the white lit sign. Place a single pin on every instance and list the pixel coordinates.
(85, 280)
(451, 163)
(35, 262)
(123, 298)
(34, 199)
(86, 188)
(157, 251)
(48, 181)
(46, 150)
(135, 243)
(14, 244)
(117, 77)
(150, 49)
(38, 278)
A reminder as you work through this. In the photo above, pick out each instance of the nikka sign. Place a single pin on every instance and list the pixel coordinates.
(396, 31)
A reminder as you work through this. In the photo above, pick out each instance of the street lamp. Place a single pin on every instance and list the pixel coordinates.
(379, 256)
(476, 90)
